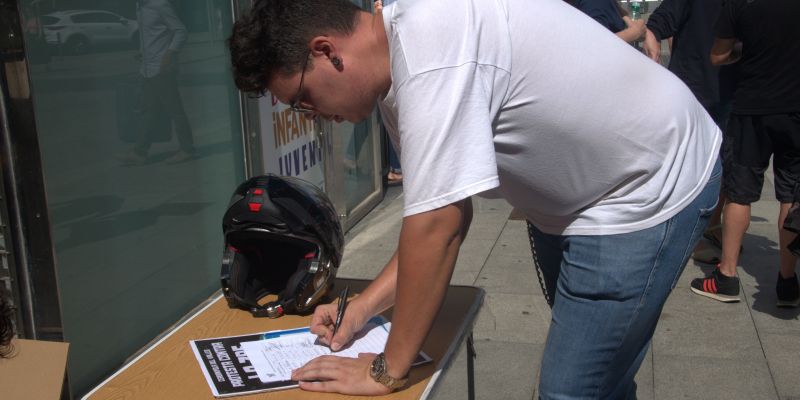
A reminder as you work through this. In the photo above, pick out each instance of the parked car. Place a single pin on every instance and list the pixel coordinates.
(79, 30)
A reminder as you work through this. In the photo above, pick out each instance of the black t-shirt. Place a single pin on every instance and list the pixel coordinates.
(769, 71)
(603, 11)
(690, 24)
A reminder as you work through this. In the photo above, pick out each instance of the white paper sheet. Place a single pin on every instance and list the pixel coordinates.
(275, 358)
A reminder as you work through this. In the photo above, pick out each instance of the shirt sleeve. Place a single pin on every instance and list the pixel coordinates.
(668, 18)
(175, 25)
(726, 23)
(446, 135)
(593, 10)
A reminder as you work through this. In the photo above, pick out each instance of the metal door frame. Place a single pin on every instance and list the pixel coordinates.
(25, 198)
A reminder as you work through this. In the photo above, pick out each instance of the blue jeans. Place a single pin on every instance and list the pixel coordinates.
(609, 293)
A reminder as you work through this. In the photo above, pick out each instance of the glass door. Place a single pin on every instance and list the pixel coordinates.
(354, 170)
(139, 131)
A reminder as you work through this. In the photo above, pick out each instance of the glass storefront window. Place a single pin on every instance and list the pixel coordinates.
(359, 161)
(139, 128)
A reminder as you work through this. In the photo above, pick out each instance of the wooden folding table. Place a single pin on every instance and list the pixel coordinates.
(168, 368)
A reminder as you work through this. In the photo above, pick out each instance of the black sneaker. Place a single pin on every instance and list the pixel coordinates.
(788, 291)
(718, 287)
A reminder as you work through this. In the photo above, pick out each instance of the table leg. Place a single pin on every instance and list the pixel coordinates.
(470, 367)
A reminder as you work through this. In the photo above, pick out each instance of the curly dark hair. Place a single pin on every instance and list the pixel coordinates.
(273, 37)
(6, 326)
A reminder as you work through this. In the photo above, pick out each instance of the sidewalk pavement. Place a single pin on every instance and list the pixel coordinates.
(702, 349)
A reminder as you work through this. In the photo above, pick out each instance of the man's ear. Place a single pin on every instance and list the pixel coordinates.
(324, 46)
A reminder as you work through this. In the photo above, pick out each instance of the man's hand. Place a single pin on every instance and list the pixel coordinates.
(340, 374)
(635, 30)
(323, 319)
(652, 47)
(638, 28)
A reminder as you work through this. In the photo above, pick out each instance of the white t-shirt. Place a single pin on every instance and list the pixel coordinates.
(537, 101)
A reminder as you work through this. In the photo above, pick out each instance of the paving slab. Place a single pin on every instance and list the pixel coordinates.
(645, 384)
(513, 318)
(783, 358)
(503, 370)
(513, 240)
(365, 264)
(690, 325)
(474, 253)
(709, 378)
(510, 274)
(487, 225)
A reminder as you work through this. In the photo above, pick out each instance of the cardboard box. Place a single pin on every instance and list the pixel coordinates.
(35, 370)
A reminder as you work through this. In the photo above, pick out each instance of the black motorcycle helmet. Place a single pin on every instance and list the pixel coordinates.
(282, 236)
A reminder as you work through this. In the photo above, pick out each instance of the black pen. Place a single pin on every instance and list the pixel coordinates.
(340, 312)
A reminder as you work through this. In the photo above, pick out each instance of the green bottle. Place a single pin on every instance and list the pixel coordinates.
(636, 9)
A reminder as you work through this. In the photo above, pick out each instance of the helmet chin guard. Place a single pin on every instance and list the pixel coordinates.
(282, 237)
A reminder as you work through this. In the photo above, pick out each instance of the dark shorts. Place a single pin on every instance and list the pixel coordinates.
(750, 141)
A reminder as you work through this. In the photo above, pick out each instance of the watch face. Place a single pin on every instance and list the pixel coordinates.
(376, 369)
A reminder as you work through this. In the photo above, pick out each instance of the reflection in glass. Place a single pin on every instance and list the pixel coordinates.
(137, 239)
(162, 35)
(358, 162)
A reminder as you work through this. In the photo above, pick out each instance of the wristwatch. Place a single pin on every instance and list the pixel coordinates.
(378, 372)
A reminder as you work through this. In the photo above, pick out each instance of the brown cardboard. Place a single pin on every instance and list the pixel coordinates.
(35, 371)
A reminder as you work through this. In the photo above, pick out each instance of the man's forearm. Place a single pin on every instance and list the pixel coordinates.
(725, 51)
(428, 250)
(379, 295)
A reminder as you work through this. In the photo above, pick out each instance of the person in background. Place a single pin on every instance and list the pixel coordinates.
(763, 37)
(497, 98)
(609, 14)
(162, 35)
(395, 175)
(690, 25)
(6, 326)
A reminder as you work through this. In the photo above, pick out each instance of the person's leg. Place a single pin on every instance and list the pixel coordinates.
(706, 250)
(150, 102)
(784, 129)
(788, 260)
(746, 154)
(737, 220)
(609, 295)
(395, 175)
(787, 287)
(173, 104)
(720, 113)
(394, 160)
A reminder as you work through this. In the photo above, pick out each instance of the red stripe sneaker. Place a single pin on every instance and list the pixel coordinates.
(718, 287)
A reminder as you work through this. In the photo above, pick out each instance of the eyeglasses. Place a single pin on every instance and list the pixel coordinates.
(297, 104)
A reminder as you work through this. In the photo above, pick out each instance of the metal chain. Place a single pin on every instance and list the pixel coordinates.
(547, 296)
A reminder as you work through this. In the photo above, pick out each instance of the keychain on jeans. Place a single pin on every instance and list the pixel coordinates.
(547, 296)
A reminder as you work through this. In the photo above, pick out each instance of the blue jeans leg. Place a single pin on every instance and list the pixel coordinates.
(609, 295)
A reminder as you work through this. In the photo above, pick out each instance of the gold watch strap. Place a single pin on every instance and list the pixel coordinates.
(383, 376)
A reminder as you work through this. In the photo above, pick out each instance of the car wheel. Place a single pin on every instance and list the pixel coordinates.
(77, 45)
